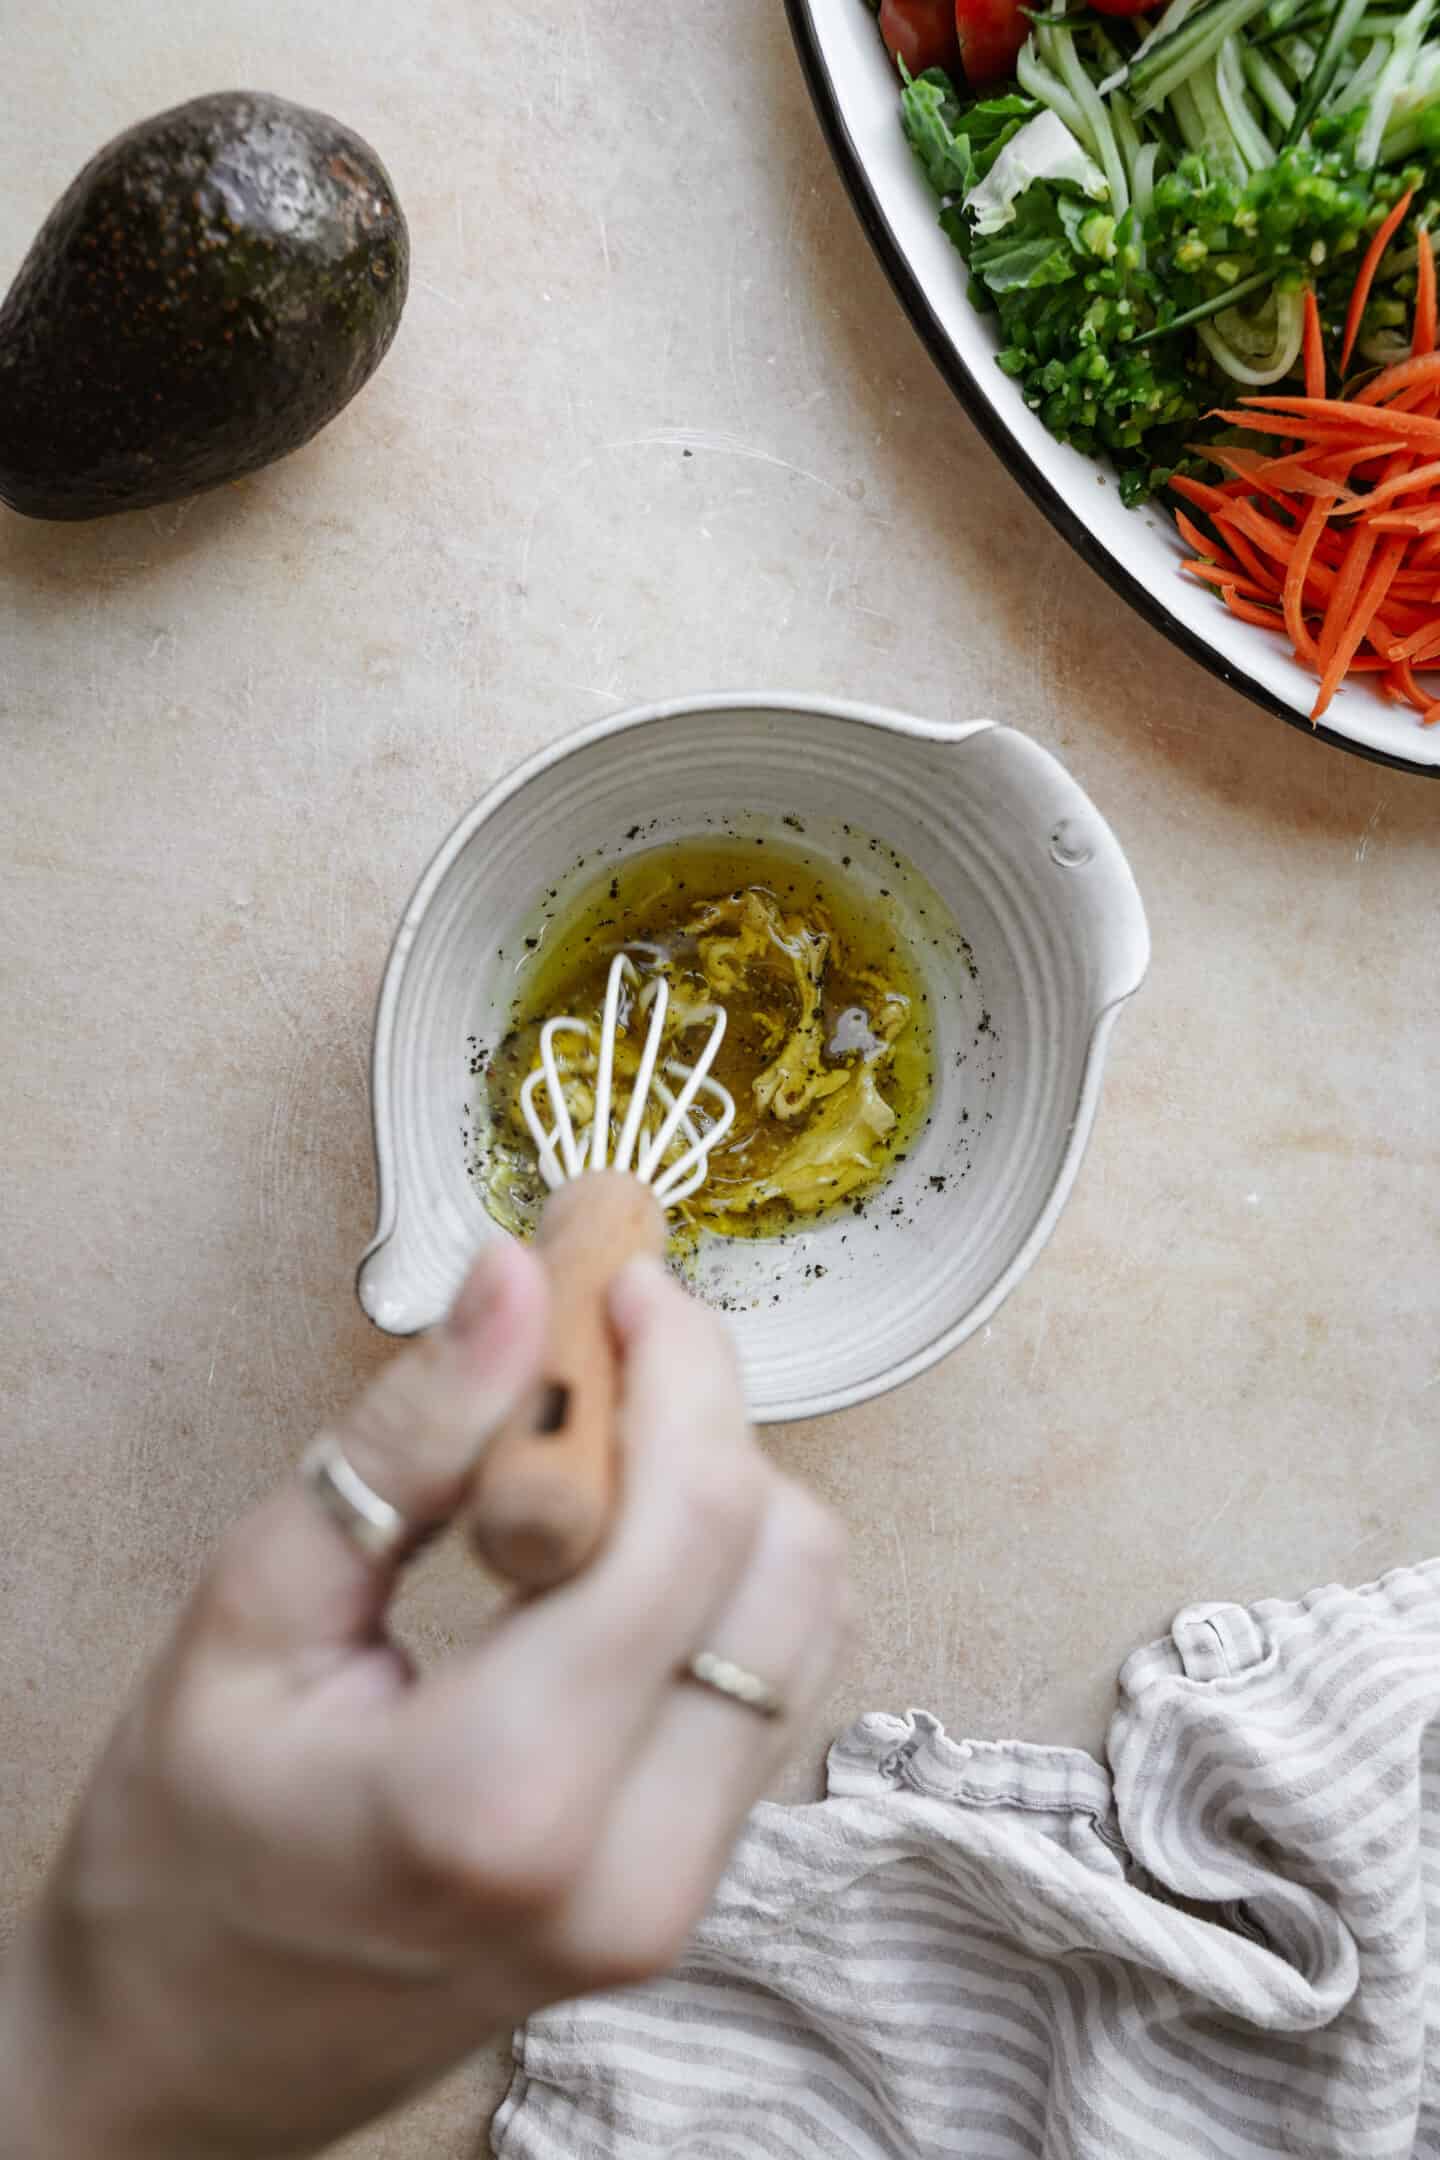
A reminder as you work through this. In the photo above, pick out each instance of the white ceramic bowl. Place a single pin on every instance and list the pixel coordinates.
(1054, 941)
(1137, 551)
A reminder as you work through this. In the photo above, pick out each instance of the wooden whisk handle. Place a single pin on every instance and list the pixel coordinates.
(545, 1491)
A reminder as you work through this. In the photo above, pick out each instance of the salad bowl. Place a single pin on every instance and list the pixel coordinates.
(1138, 552)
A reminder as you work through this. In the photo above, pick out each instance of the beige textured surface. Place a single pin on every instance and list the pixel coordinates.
(232, 733)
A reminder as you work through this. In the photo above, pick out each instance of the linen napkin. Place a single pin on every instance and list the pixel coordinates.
(1223, 1942)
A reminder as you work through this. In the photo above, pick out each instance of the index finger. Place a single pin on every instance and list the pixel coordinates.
(596, 1659)
(287, 1578)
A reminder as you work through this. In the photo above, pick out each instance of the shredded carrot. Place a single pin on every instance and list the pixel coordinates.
(1191, 534)
(1247, 611)
(1296, 573)
(1357, 623)
(1282, 476)
(1425, 326)
(1226, 578)
(1421, 645)
(1247, 558)
(1413, 521)
(1421, 370)
(1340, 422)
(1419, 476)
(1275, 540)
(1361, 294)
(1403, 677)
(1334, 535)
(1354, 567)
(1345, 594)
(1198, 492)
(1314, 347)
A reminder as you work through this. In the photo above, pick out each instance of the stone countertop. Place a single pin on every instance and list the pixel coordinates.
(653, 424)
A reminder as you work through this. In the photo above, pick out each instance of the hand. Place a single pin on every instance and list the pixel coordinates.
(305, 1880)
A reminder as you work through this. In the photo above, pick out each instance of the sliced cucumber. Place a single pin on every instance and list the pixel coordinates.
(1224, 153)
(1404, 54)
(1230, 86)
(1322, 75)
(1358, 88)
(1157, 69)
(1264, 79)
(1067, 62)
(1046, 87)
(1142, 194)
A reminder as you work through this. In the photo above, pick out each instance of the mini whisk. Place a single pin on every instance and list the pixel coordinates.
(545, 1491)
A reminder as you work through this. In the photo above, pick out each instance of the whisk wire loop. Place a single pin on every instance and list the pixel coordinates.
(649, 1058)
(563, 1153)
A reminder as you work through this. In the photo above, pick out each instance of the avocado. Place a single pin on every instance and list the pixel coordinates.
(215, 285)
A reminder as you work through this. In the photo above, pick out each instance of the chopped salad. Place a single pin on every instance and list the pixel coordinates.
(1179, 220)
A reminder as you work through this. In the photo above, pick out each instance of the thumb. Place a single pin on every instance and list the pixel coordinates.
(288, 1578)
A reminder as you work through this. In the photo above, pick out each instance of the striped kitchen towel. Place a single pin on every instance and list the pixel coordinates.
(1225, 1944)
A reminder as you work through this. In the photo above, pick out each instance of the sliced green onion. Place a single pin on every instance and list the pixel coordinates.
(1213, 306)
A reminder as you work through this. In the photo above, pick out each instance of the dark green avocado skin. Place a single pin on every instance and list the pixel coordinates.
(211, 290)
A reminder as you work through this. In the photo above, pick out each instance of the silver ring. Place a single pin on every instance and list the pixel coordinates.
(371, 1524)
(734, 1683)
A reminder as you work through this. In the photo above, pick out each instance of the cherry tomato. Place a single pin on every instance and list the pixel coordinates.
(919, 32)
(990, 35)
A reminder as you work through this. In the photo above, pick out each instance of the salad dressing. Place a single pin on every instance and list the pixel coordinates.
(828, 1049)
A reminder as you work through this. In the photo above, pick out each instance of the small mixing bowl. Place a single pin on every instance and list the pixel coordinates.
(1045, 940)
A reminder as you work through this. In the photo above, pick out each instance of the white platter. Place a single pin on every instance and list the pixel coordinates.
(1137, 552)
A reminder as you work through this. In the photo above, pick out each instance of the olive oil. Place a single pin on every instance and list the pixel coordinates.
(828, 1048)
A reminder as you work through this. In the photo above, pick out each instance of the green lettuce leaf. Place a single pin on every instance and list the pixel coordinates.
(957, 144)
(1033, 249)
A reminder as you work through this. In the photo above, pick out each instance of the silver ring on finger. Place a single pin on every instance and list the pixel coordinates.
(722, 1677)
(373, 1526)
